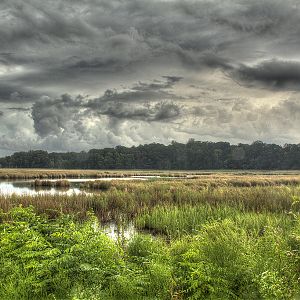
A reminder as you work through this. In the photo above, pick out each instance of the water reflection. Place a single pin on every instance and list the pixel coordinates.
(119, 233)
(25, 188)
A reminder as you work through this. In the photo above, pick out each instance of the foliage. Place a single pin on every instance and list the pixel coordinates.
(224, 262)
(128, 200)
(194, 155)
(97, 185)
(208, 242)
(42, 258)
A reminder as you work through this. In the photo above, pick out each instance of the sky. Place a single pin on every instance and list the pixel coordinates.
(76, 75)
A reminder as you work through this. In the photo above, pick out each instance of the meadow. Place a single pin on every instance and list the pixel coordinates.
(27, 173)
(227, 235)
(17, 173)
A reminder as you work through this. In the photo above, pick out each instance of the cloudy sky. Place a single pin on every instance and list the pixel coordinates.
(81, 74)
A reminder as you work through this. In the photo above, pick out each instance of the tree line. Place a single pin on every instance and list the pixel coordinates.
(194, 155)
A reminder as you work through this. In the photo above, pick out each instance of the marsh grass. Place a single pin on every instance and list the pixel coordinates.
(96, 185)
(11, 173)
(126, 200)
(44, 258)
(48, 183)
(178, 221)
(16, 173)
(225, 262)
(210, 239)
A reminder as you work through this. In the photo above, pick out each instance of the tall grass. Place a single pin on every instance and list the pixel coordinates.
(177, 221)
(225, 262)
(227, 238)
(96, 185)
(15, 173)
(211, 239)
(127, 200)
(44, 258)
(48, 183)
(11, 173)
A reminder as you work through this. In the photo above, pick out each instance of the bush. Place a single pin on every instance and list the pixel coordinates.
(223, 262)
(40, 258)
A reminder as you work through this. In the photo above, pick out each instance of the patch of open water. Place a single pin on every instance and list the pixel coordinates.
(24, 187)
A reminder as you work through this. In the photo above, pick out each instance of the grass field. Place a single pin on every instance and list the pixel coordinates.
(229, 235)
(69, 173)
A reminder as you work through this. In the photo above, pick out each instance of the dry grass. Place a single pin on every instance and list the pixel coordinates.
(59, 174)
(126, 200)
(48, 183)
(55, 173)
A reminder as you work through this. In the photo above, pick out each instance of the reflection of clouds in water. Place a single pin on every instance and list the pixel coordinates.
(23, 188)
(9, 188)
(120, 233)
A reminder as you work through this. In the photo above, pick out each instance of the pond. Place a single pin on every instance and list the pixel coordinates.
(24, 187)
(119, 233)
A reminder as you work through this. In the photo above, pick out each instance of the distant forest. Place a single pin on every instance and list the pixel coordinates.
(193, 155)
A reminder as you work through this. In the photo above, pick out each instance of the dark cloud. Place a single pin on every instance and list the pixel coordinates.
(161, 111)
(258, 17)
(245, 52)
(22, 109)
(127, 33)
(64, 41)
(50, 116)
(274, 73)
(12, 92)
(143, 102)
(140, 92)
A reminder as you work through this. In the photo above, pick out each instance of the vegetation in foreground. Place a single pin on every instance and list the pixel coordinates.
(205, 242)
(125, 200)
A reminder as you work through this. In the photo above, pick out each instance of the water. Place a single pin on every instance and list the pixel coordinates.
(24, 187)
(119, 233)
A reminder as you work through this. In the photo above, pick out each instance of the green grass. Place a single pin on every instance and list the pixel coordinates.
(194, 241)
(42, 258)
(125, 201)
(175, 221)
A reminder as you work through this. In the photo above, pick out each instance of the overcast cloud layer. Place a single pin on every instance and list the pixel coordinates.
(76, 75)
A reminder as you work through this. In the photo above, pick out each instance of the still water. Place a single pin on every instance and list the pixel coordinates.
(118, 233)
(23, 187)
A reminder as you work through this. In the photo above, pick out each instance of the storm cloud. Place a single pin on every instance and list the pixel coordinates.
(80, 74)
(272, 74)
(146, 102)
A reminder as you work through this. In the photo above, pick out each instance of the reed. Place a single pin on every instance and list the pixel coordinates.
(214, 237)
(83, 173)
(48, 183)
(177, 221)
(227, 257)
(14, 173)
(126, 200)
(96, 185)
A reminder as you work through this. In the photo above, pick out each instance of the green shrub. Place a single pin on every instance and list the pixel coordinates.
(224, 262)
(41, 257)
